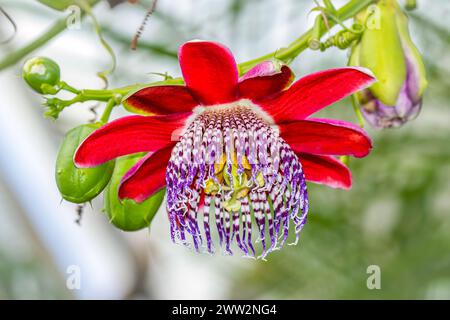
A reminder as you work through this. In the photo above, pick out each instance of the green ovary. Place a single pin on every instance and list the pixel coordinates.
(235, 182)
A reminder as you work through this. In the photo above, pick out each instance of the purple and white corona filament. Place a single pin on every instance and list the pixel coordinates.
(232, 170)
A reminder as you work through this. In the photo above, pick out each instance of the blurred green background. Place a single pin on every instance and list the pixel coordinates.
(397, 215)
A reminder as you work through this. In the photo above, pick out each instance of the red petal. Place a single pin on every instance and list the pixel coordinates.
(128, 135)
(265, 68)
(160, 100)
(323, 136)
(325, 170)
(146, 177)
(265, 80)
(210, 71)
(316, 91)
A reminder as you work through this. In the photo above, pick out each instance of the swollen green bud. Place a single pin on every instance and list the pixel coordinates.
(386, 48)
(126, 214)
(79, 185)
(381, 51)
(42, 74)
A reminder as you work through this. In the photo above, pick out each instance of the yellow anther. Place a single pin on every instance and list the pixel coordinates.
(245, 163)
(211, 187)
(260, 179)
(219, 165)
(242, 193)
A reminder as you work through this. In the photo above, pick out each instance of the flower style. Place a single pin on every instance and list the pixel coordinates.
(238, 149)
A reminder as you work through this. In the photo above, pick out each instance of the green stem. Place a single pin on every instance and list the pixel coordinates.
(314, 39)
(122, 92)
(329, 6)
(17, 55)
(352, 8)
(64, 86)
(58, 27)
(360, 117)
(98, 95)
(107, 112)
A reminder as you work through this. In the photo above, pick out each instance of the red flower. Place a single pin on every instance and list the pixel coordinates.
(242, 146)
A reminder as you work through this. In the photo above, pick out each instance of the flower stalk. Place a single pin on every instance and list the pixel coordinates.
(109, 107)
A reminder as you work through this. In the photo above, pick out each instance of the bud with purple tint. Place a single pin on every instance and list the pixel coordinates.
(386, 48)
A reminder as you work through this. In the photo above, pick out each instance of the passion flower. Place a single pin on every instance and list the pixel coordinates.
(233, 152)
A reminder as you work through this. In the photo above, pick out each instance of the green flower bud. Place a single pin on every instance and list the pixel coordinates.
(381, 51)
(386, 48)
(42, 74)
(126, 214)
(79, 185)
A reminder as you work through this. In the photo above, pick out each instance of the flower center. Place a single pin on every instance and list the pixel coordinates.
(231, 164)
